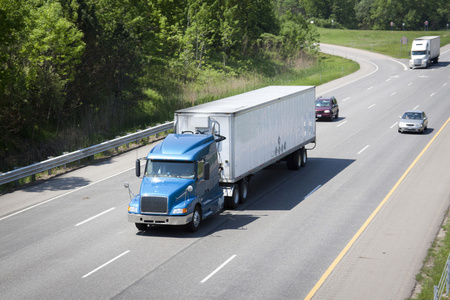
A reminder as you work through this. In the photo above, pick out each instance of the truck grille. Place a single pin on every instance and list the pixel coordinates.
(417, 62)
(154, 205)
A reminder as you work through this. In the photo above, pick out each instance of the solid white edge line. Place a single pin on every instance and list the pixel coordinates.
(349, 57)
(405, 68)
(98, 215)
(62, 195)
(105, 264)
(363, 149)
(218, 269)
(313, 191)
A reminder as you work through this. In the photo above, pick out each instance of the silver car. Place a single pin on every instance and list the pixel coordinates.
(413, 121)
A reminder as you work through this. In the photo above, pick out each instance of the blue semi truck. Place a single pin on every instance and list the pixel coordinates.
(216, 148)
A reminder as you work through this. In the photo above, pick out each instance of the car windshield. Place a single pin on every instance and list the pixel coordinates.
(322, 103)
(412, 116)
(178, 169)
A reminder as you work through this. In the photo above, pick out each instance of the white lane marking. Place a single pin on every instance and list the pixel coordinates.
(444, 84)
(370, 88)
(393, 93)
(363, 149)
(313, 191)
(62, 195)
(98, 215)
(348, 98)
(432, 95)
(417, 106)
(371, 106)
(105, 264)
(410, 83)
(218, 269)
(342, 123)
(394, 124)
(405, 68)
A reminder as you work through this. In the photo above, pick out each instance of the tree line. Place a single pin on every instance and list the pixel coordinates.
(73, 71)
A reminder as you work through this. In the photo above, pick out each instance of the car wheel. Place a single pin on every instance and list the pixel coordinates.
(337, 115)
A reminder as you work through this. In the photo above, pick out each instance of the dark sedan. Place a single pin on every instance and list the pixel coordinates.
(327, 108)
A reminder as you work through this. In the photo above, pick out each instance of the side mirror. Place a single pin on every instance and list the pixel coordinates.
(206, 171)
(138, 168)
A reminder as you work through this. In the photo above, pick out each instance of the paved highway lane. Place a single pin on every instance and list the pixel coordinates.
(77, 243)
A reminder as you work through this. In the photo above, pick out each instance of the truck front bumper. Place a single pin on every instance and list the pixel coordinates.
(160, 220)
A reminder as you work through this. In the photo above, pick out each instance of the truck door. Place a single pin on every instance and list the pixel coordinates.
(202, 184)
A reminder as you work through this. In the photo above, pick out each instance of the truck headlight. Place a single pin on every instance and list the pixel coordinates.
(179, 211)
(327, 111)
(132, 209)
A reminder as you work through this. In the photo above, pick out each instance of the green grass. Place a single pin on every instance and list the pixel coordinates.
(433, 267)
(384, 42)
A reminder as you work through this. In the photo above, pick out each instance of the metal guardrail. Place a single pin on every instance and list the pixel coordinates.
(444, 282)
(82, 153)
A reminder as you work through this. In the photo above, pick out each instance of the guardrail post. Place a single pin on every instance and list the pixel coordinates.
(16, 182)
(448, 277)
(65, 165)
(49, 170)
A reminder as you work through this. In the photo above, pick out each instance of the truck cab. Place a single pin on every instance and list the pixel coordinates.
(420, 53)
(180, 184)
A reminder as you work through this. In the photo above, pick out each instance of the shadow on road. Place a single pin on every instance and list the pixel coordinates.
(274, 188)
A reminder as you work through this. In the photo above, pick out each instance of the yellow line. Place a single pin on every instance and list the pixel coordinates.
(369, 220)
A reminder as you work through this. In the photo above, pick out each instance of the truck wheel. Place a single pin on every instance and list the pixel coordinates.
(141, 226)
(296, 160)
(196, 219)
(233, 201)
(245, 190)
(304, 156)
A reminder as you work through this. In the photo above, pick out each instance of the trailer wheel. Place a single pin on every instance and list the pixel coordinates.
(196, 220)
(296, 160)
(233, 201)
(141, 226)
(245, 190)
(304, 156)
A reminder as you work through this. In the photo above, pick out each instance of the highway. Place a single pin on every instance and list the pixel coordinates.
(355, 223)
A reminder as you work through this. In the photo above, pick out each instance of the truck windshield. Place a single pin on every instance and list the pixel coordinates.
(419, 52)
(175, 169)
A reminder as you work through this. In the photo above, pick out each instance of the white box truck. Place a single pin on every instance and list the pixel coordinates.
(215, 150)
(424, 51)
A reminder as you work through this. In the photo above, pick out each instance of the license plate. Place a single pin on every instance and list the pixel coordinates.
(319, 116)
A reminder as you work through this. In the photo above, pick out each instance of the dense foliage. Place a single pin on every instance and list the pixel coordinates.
(75, 71)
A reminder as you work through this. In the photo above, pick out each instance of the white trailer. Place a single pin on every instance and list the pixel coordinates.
(424, 51)
(258, 128)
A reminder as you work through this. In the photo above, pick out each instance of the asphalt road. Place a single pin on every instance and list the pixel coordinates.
(355, 223)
